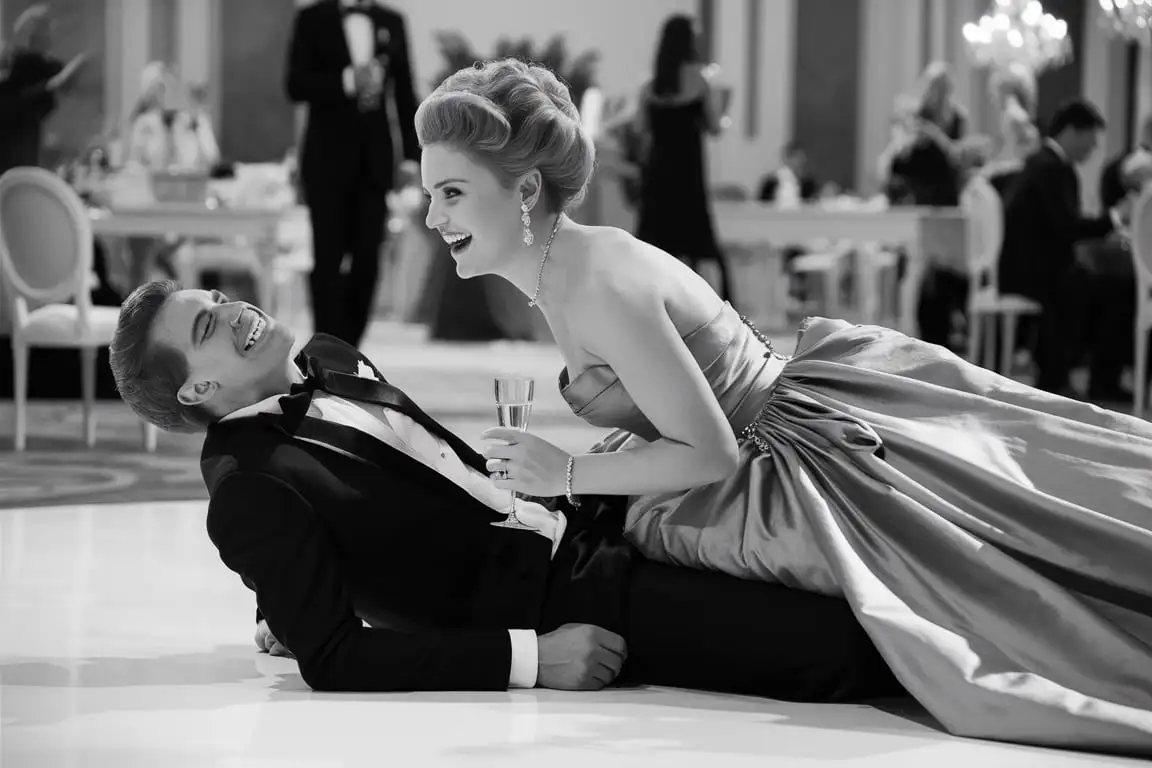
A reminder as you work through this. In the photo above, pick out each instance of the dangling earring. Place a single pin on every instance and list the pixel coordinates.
(529, 238)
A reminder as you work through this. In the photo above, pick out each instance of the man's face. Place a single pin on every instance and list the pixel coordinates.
(1081, 144)
(236, 354)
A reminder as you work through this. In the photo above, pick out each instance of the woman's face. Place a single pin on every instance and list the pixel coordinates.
(477, 215)
(939, 91)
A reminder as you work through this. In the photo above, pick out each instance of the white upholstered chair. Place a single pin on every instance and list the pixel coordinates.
(46, 263)
(985, 302)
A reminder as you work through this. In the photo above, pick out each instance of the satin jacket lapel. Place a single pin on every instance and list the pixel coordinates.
(338, 379)
(362, 447)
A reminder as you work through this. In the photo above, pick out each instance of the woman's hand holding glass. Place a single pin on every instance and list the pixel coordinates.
(526, 463)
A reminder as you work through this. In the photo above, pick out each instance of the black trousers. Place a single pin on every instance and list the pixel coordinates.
(348, 221)
(707, 630)
(710, 631)
(1089, 312)
(943, 293)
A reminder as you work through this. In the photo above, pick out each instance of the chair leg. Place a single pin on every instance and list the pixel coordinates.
(20, 391)
(149, 433)
(1007, 344)
(88, 393)
(989, 342)
(1140, 380)
(975, 320)
(831, 286)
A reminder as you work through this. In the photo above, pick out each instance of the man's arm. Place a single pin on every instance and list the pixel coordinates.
(405, 93)
(306, 82)
(1062, 211)
(269, 535)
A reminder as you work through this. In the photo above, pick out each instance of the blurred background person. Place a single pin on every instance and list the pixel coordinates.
(31, 79)
(346, 59)
(168, 129)
(791, 183)
(1014, 89)
(1043, 222)
(924, 167)
(679, 106)
(1115, 184)
(928, 163)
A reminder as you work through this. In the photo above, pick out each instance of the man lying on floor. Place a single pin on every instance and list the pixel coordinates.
(341, 503)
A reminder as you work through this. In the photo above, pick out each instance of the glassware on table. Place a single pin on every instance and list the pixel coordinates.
(514, 398)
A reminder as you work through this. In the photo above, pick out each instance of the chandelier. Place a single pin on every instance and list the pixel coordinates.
(1020, 32)
(1128, 18)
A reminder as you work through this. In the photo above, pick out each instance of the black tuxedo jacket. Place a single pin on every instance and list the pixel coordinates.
(340, 141)
(330, 526)
(1042, 223)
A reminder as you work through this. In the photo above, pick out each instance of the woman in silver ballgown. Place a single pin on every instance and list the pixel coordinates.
(994, 540)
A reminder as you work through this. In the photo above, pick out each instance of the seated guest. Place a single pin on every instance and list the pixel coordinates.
(792, 182)
(1113, 186)
(1042, 224)
(168, 130)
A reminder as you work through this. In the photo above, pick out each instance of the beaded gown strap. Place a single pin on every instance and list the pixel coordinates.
(751, 432)
(767, 342)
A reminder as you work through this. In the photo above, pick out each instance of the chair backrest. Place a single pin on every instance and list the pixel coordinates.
(1141, 227)
(985, 230)
(45, 240)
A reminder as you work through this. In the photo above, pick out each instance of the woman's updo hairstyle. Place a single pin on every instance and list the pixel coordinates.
(513, 117)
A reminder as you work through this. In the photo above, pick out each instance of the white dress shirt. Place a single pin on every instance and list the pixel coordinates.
(358, 34)
(398, 431)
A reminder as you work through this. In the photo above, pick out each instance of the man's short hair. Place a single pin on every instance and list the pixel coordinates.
(149, 375)
(1077, 114)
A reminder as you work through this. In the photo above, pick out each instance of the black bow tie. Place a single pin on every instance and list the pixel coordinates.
(365, 390)
(362, 7)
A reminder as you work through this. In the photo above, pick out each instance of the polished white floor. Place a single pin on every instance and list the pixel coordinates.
(124, 642)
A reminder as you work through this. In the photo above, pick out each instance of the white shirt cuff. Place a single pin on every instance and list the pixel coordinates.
(525, 659)
(349, 81)
(558, 531)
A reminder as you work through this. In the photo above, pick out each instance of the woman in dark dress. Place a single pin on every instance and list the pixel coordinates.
(677, 108)
(30, 78)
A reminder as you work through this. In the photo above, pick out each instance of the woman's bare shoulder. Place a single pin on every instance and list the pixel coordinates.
(622, 272)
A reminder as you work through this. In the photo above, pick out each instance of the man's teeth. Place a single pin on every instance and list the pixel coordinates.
(256, 333)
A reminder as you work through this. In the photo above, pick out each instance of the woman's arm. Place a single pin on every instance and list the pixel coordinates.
(636, 338)
(715, 97)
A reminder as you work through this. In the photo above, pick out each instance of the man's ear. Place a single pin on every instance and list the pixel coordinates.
(197, 393)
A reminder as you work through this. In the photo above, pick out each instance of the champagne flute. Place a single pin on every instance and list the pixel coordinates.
(514, 397)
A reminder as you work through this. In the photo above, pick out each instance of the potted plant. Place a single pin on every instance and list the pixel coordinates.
(578, 73)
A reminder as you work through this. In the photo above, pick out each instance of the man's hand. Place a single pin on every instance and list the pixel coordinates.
(579, 657)
(267, 642)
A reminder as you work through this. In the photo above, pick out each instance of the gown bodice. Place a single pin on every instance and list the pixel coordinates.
(736, 360)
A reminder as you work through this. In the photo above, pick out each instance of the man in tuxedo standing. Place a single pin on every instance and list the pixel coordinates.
(1042, 224)
(341, 503)
(346, 60)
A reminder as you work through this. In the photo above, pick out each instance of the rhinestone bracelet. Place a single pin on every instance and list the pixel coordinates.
(568, 484)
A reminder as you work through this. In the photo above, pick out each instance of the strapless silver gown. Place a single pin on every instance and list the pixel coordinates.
(994, 540)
